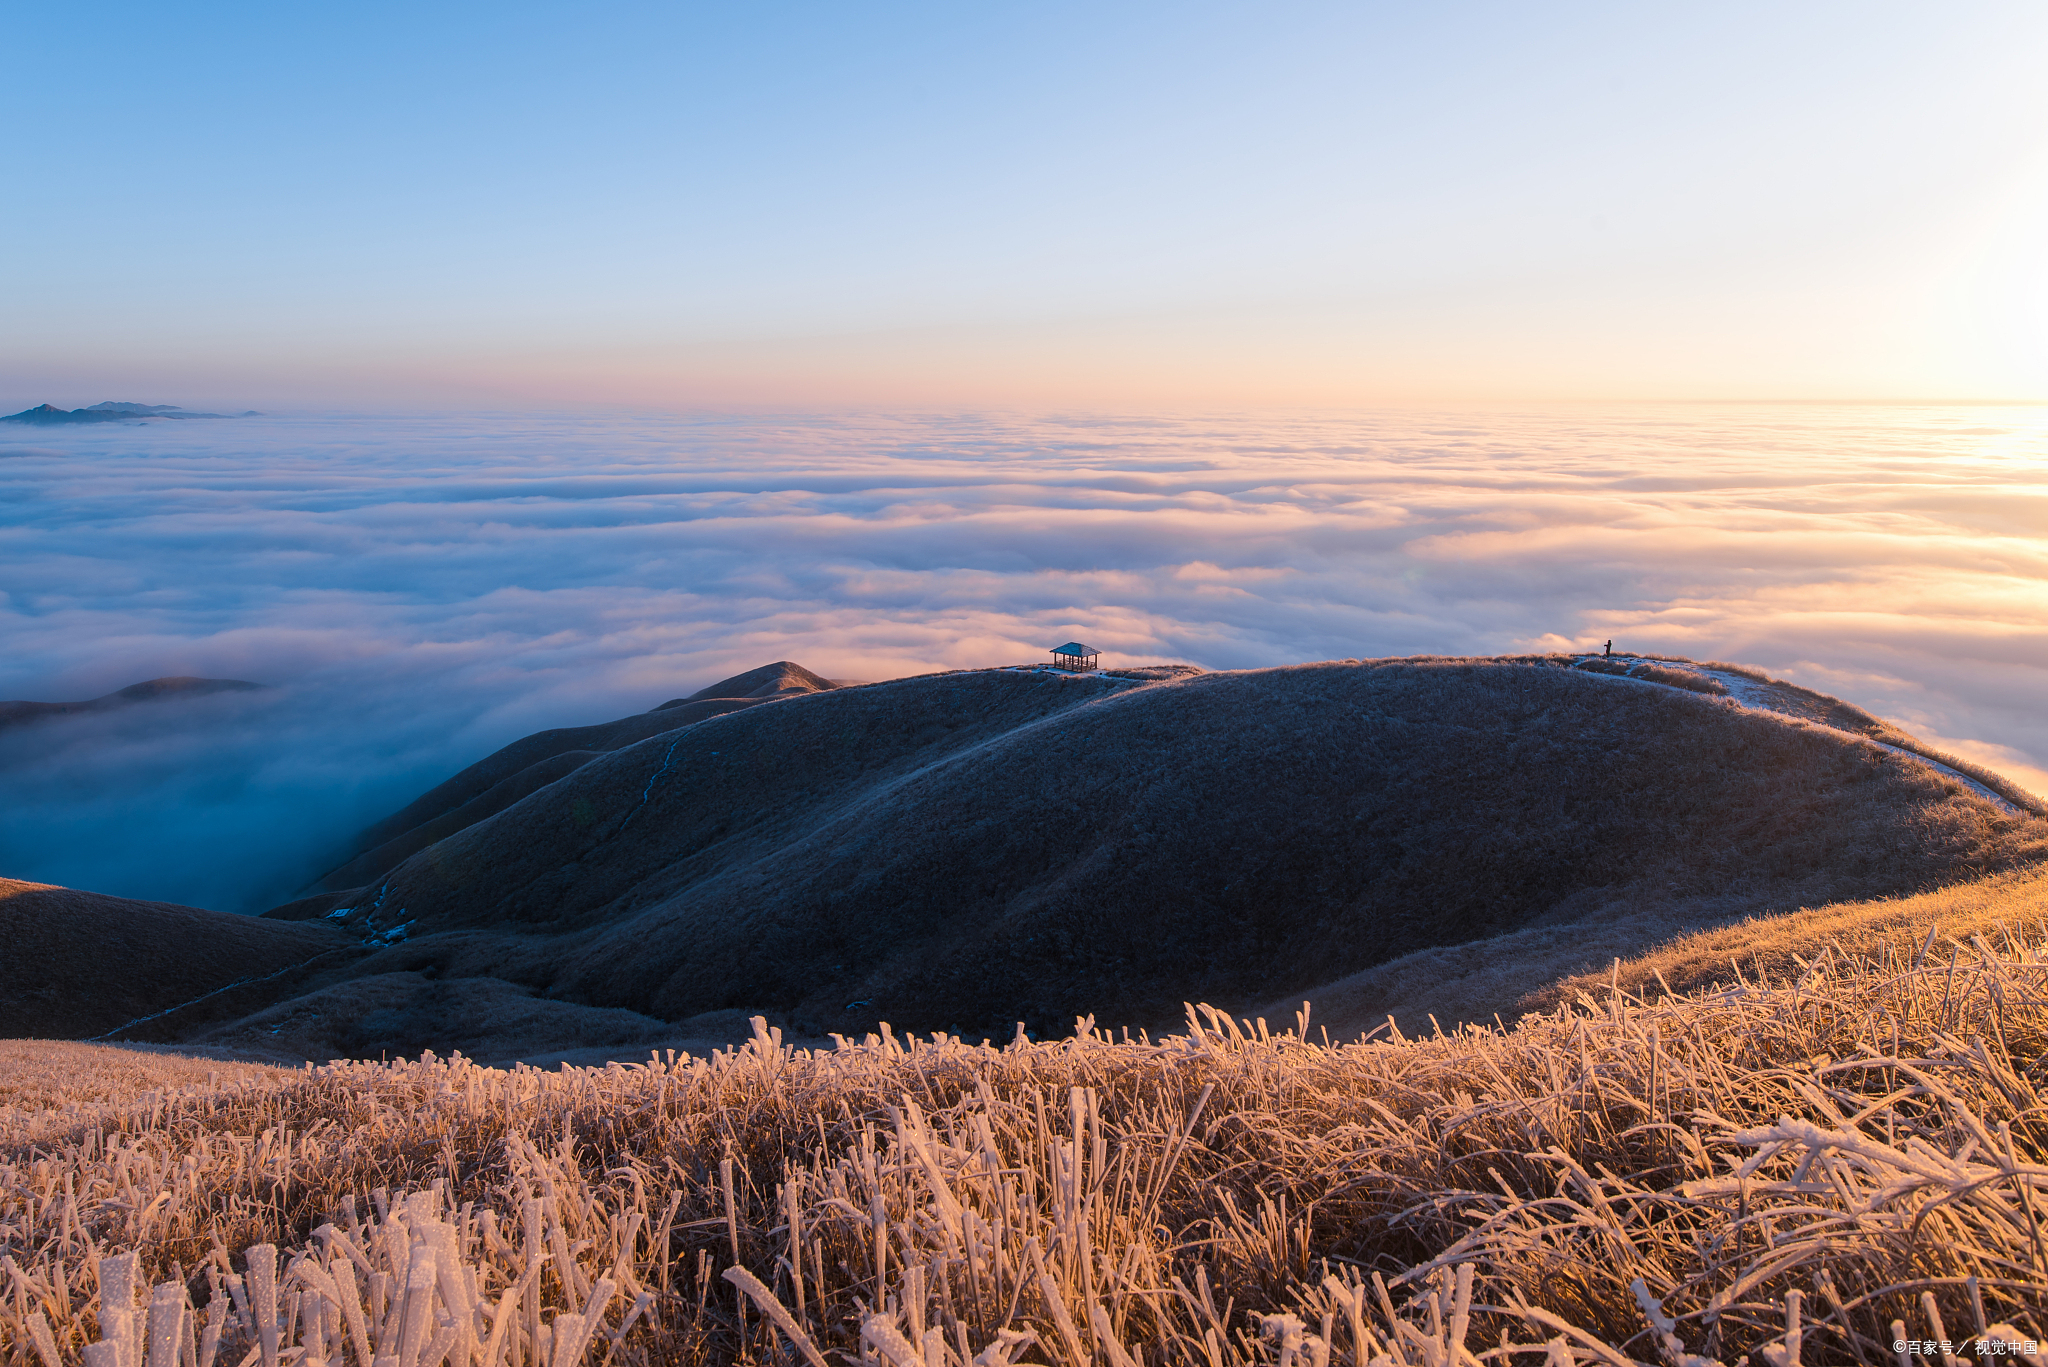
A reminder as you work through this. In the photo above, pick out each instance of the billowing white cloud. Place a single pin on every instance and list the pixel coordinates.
(421, 591)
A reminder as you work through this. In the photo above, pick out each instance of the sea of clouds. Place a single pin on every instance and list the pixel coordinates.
(419, 591)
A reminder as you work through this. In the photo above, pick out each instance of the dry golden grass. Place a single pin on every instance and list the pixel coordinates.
(2002, 906)
(1803, 1169)
(1661, 949)
(48, 1086)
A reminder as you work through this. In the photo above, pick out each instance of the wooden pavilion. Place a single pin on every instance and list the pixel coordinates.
(1075, 656)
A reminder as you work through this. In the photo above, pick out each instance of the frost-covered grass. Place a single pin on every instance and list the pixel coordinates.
(1805, 1169)
(1689, 949)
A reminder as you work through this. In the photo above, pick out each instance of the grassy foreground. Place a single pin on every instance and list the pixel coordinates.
(1802, 1170)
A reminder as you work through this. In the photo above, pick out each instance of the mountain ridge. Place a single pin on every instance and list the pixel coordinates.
(49, 415)
(583, 887)
(976, 848)
(169, 688)
(498, 780)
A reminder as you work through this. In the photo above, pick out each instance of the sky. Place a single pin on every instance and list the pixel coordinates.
(778, 206)
(605, 351)
(417, 591)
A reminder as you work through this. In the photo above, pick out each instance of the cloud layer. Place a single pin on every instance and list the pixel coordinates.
(421, 591)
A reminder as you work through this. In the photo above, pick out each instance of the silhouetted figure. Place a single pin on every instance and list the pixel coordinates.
(1610, 651)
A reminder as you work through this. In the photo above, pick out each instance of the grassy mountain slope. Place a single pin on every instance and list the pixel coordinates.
(525, 766)
(79, 964)
(979, 848)
(1684, 947)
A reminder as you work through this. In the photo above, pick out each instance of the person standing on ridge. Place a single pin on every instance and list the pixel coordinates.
(1610, 651)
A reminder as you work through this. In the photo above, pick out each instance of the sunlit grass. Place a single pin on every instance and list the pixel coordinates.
(1804, 1169)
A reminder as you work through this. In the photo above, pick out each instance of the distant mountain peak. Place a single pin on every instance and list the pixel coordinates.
(150, 690)
(111, 411)
(784, 678)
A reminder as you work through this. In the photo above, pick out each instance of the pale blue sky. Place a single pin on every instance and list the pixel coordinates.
(675, 205)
